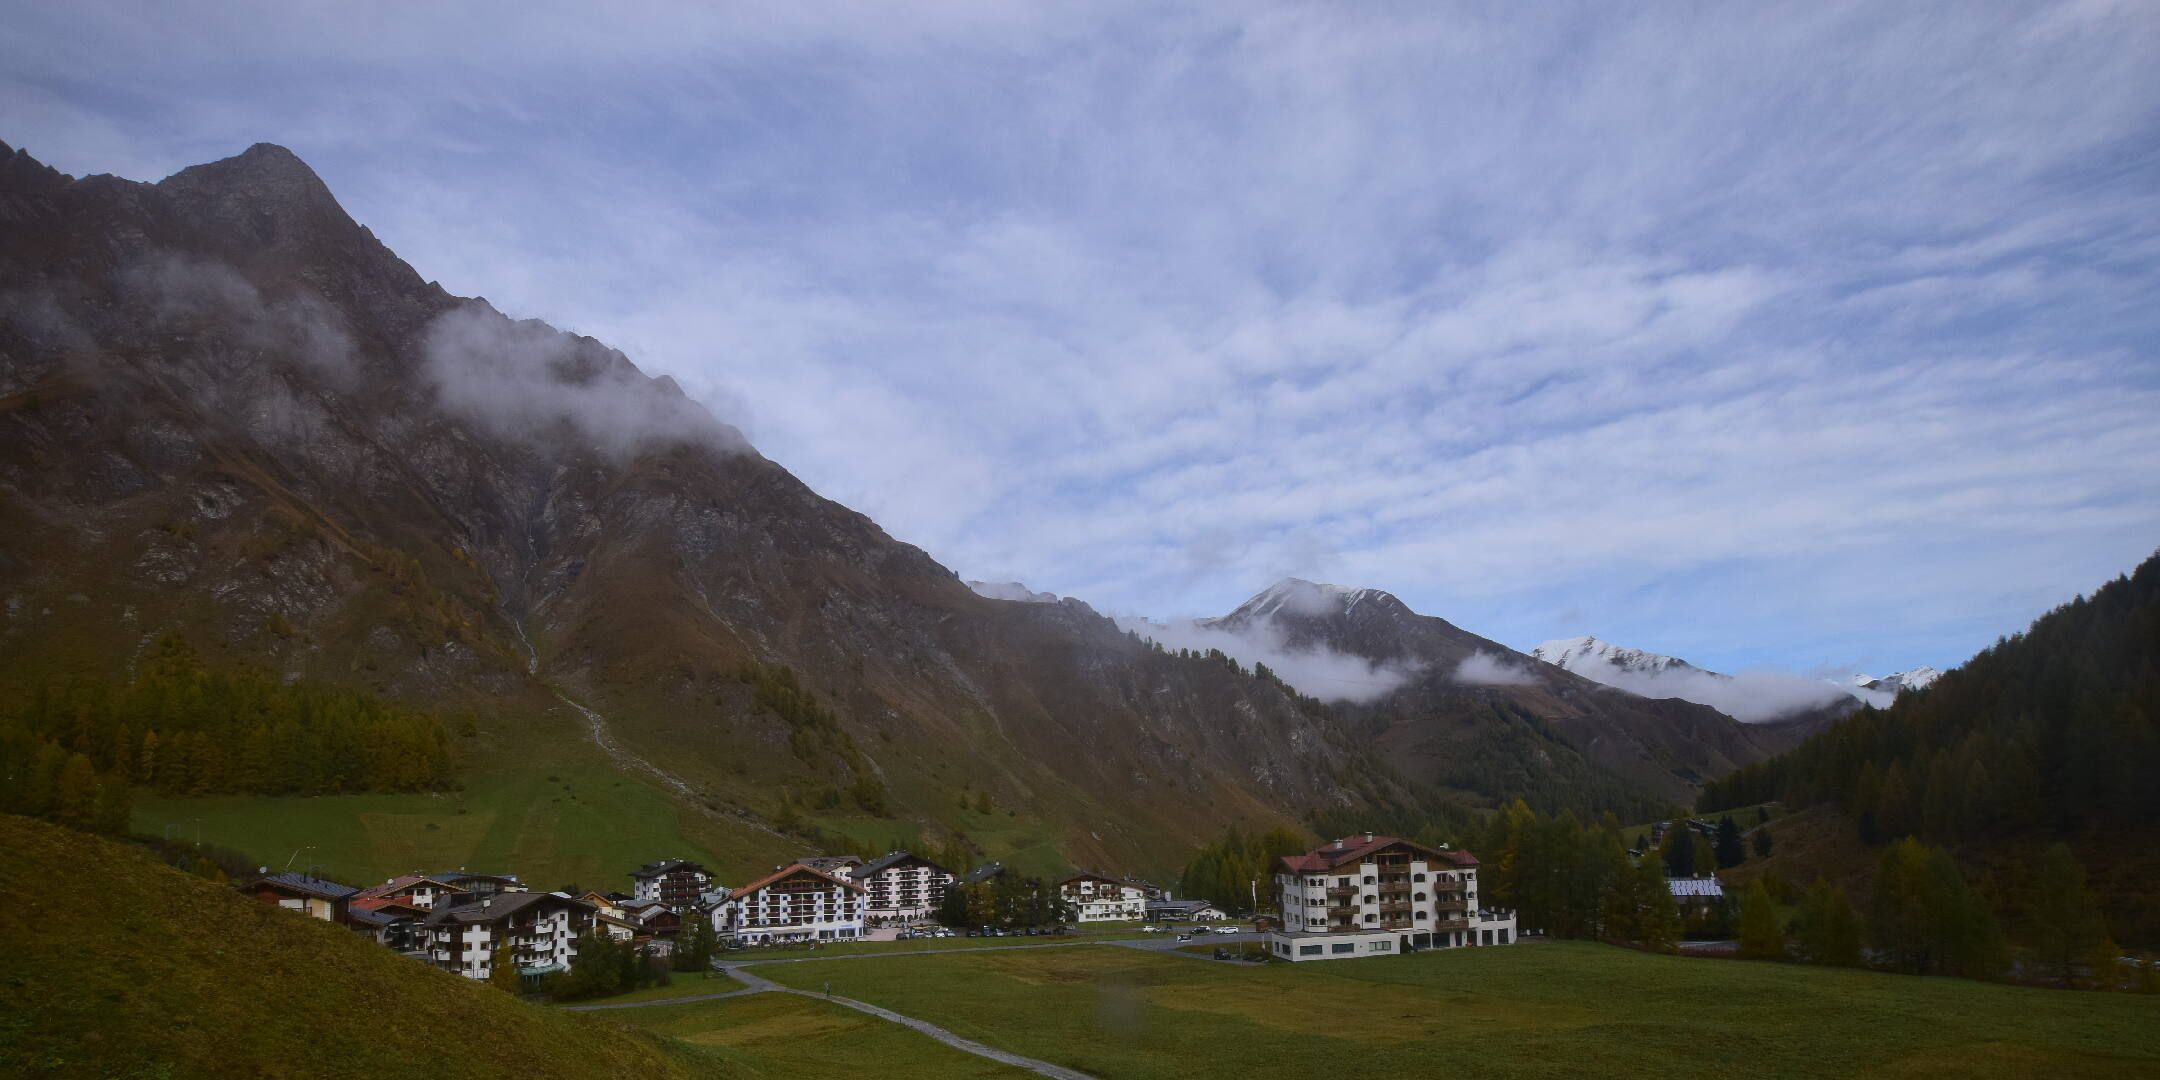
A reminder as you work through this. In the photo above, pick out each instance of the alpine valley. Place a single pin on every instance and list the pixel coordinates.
(233, 422)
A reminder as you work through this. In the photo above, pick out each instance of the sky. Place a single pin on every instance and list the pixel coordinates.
(1808, 338)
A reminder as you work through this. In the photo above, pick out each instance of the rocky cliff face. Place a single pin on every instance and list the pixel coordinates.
(226, 409)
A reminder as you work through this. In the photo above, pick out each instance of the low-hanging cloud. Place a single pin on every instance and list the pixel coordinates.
(181, 292)
(1320, 673)
(527, 380)
(1753, 697)
(1482, 668)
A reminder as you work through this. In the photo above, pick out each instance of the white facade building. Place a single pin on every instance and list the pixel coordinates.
(793, 903)
(541, 930)
(1094, 898)
(901, 887)
(1380, 895)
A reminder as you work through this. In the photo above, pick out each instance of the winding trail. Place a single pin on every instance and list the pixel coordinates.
(631, 761)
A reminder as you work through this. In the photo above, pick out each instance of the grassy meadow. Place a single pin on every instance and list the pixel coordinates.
(1533, 1010)
(782, 1035)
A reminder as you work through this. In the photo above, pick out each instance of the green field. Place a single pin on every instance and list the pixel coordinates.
(585, 824)
(782, 1035)
(1534, 1010)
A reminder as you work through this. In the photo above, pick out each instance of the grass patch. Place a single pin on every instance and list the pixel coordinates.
(1537, 1010)
(584, 824)
(782, 1035)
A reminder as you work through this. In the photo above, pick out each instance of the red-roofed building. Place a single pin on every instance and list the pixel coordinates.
(1380, 895)
(793, 903)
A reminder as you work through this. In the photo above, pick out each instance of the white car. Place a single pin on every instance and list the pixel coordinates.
(1228, 930)
(1151, 929)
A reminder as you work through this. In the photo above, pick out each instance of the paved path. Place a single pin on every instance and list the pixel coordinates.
(1044, 1068)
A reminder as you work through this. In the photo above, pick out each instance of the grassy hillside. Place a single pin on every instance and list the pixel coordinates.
(116, 965)
(1530, 1011)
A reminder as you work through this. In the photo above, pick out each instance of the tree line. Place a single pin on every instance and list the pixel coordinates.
(1002, 899)
(181, 729)
(2047, 733)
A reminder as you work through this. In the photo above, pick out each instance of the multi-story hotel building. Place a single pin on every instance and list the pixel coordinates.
(670, 881)
(1094, 898)
(793, 903)
(541, 930)
(901, 887)
(1380, 895)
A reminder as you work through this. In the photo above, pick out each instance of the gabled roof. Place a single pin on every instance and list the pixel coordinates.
(309, 886)
(894, 858)
(1352, 849)
(371, 918)
(791, 869)
(501, 906)
(405, 883)
(1084, 876)
(388, 905)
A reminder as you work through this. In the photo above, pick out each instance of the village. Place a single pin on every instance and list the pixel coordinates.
(1358, 896)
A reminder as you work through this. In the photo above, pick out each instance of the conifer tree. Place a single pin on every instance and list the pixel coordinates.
(1760, 937)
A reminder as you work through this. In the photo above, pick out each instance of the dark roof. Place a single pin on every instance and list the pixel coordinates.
(985, 872)
(403, 883)
(499, 907)
(1352, 849)
(360, 916)
(664, 867)
(455, 876)
(1178, 905)
(1085, 876)
(894, 858)
(793, 868)
(311, 886)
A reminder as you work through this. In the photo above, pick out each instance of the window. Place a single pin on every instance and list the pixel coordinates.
(1383, 946)
(1308, 950)
(1503, 935)
(1420, 879)
(1422, 914)
(1343, 947)
(1369, 917)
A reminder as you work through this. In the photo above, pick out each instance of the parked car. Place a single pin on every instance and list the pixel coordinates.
(1228, 930)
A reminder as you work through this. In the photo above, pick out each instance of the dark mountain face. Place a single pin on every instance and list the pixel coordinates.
(229, 411)
(1476, 715)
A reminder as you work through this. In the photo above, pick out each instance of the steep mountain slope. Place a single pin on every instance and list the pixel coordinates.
(1476, 715)
(2049, 734)
(227, 410)
(136, 969)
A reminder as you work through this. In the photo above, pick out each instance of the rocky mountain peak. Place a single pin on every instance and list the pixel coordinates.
(265, 195)
(1298, 597)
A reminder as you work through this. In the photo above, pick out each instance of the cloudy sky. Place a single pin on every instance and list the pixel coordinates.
(1817, 341)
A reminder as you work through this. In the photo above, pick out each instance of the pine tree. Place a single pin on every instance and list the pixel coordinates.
(1730, 851)
(1762, 841)
(2066, 928)
(1760, 938)
(1826, 930)
(75, 793)
(502, 970)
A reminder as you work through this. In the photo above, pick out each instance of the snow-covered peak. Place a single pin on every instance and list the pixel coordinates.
(1296, 596)
(1011, 590)
(1919, 678)
(1590, 658)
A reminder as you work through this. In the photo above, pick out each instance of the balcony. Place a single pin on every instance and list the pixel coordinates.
(1342, 890)
(1452, 924)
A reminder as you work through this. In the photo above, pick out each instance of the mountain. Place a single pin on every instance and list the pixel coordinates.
(1919, 678)
(1476, 716)
(1785, 708)
(229, 412)
(1011, 590)
(2051, 734)
(1590, 658)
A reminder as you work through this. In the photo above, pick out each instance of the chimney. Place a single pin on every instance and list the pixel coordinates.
(1338, 845)
(1368, 838)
